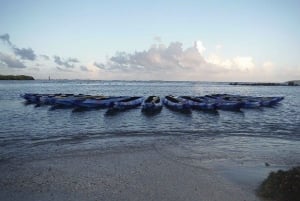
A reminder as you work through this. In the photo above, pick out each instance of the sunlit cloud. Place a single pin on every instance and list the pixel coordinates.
(173, 61)
(200, 47)
(243, 63)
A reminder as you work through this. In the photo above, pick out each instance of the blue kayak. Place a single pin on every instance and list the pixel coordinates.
(224, 104)
(269, 101)
(252, 101)
(198, 103)
(176, 103)
(68, 100)
(31, 97)
(48, 99)
(99, 101)
(128, 103)
(247, 102)
(152, 104)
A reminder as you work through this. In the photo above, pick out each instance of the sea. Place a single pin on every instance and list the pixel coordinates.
(268, 136)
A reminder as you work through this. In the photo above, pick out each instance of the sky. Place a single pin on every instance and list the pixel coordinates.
(197, 40)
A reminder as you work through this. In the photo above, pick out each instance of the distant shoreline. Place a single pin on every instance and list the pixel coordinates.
(16, 77)
(288, 83)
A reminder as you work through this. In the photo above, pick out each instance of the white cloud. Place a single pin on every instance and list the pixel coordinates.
(162, 62)
(173, 62)
(216, 60)
(200, 47)
(243, 63)
(218, 47)
(268, 64)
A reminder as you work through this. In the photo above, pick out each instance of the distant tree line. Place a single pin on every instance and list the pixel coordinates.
(16, 77)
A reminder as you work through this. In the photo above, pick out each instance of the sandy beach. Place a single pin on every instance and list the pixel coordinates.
(128, 174)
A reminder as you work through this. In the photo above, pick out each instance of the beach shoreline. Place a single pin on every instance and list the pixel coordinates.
(128, 174)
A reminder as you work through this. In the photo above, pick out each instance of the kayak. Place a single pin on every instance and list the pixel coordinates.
(224, 104)
(253, 101)
(128, 103)
(46, 99)
(31, 97)
(68, 100)
(152, 104)
(247, 102)
(99, 101)
(269, 101)
(176, 103)
(198, 103)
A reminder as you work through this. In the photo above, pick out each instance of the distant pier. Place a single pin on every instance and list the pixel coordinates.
(289, 83)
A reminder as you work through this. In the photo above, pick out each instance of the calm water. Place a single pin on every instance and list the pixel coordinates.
(252, 134)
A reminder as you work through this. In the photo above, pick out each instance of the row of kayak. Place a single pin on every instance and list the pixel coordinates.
(153, 103)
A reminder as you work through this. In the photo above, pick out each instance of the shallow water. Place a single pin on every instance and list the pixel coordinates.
(27, 130)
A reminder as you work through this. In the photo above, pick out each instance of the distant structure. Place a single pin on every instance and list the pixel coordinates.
(258, 83)
(294, 83)
(288, 83)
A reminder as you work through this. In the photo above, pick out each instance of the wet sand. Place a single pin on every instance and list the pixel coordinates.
(129, 174)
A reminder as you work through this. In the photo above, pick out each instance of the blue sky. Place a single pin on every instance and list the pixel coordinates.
(169, 40)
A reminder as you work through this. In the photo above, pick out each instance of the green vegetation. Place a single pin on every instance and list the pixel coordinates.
(282, 185)
(16, 77)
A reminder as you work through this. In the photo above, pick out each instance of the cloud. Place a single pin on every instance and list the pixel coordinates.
(63, 69)
(5, 38)
(219, 46)
(11, 61)
(27, 54)
(36, 69)
(74, 60)
(45, 56)
(157, 39)
(243, 63)
(84, 68)
(24, 53)
(68, 63)
(99, 65)
(217, 60)
(171, 62)
(238, 63)
(200, 47)
(268, 64)
(158, 57)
